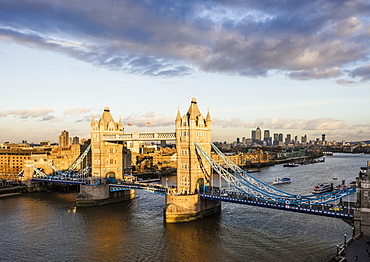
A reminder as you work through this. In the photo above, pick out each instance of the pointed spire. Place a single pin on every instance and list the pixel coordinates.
(178, 117)
(120, 123)
(208, 118)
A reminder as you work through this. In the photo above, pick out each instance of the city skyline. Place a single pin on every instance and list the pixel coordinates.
(251, 64)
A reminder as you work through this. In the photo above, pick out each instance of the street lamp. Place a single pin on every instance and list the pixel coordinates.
(337, 250)
(345, 238)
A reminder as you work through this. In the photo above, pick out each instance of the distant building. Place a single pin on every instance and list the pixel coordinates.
(288, 139)
(75, 140)
(253, 133)
(276, 139)
(45, 143)
(258, 134)
(64, 139)
(266, 138)
(281, 137)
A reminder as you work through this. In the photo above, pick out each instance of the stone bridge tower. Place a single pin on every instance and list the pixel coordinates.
(362, 211)
(107, 158)
(192, 127)
(192, 173)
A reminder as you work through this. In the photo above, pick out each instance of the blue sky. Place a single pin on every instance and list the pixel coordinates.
(297, 67)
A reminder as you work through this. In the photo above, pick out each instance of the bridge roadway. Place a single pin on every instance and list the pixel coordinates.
(241, 198)
(346, 212)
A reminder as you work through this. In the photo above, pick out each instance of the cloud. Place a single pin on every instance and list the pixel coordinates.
(324, 124)
(345, 82)
(151, 117)
(235, 122)
(303, 39)
(76, 111)
(363, 72)
(362, 125)
(38, 112)
(347, 26)
(315, 73)
(88, 118)
(345, 135)
(283, 123)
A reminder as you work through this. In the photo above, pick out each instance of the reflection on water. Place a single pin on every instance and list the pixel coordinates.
(49, 227)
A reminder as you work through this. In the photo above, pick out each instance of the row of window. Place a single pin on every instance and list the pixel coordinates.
(199, 133)
(16, 157)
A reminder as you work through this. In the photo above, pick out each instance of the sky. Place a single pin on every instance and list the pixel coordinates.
(292, 67)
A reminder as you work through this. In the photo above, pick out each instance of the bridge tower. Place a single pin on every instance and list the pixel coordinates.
(107, 157)
(362, 211)
(192, 127)
(192, 173)
(107, 164)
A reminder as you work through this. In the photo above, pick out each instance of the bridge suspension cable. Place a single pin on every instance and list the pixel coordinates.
(69, 172)
(250, 185)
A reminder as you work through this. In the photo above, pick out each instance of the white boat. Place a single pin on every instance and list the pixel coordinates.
(290, 165)
(279, 180)
(322, 188)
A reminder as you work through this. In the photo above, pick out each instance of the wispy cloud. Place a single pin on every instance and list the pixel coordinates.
(303, 39)
(42, 113)
(345, 82)
(76, 111)
(149, 117)
(284, 123)
(88, 118)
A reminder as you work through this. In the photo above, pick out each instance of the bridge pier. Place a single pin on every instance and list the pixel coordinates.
(185, 208)
(96, 195)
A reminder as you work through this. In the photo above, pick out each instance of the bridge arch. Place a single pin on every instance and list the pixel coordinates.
(111, 177)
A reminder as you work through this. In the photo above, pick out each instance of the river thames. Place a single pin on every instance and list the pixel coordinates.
(49, 226)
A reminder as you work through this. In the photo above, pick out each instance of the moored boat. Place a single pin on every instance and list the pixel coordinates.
(279, 180)
(290, 165)
(322, 188)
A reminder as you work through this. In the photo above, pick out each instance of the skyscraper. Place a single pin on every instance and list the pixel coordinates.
(75, 140)
(276, 139)
(64, 139)
(281, 137)
(288, 139)
(267, 138)
(258, 134)
(253, 135)
(266, 134)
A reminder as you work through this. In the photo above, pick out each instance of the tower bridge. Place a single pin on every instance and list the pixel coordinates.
(193, 197)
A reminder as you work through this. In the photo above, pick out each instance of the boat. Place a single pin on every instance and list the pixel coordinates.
(290, 165)
(253, 171)
(322, 188)
(279, 180)
(328, 153)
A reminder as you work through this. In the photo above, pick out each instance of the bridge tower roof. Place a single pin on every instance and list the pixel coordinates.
(106, 116)
(193, 111)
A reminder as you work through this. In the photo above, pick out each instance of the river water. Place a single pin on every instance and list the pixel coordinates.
(49, 227)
